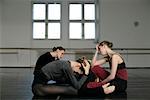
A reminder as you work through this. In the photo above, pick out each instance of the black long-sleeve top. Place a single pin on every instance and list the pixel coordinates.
(42, 61)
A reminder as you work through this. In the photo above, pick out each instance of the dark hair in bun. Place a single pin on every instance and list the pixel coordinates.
(109, 44)
(59, 47)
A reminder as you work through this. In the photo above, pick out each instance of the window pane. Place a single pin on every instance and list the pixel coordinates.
(89, 11)
(54, 11)
(38, 30)
(89, 30)
(75, 31)
(39, 11)
(75, 12)
(53, 30)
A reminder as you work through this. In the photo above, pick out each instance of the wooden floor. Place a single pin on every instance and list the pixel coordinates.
(15, 84)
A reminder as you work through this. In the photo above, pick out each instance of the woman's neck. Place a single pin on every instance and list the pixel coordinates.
(53, 54)
(110, 53)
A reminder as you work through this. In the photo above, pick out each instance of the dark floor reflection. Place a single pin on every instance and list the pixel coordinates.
(121, 96)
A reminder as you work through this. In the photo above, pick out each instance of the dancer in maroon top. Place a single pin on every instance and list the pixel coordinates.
(117, 77)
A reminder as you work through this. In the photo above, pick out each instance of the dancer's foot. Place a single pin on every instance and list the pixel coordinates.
(108, 89)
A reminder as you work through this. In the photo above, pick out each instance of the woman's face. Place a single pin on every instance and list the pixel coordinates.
(60, 53)
(102, 50)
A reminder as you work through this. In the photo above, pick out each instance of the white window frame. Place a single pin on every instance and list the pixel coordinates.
(61, 21)
(47, 21)
(82, 21)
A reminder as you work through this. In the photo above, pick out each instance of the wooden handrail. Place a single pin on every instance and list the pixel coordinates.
(81, 51)
(81, 48)
(8, 52)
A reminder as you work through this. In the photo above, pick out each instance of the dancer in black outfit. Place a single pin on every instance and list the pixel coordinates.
(57, 53)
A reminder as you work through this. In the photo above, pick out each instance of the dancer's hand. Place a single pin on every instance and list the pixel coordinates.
(86, 66)
(97, 47)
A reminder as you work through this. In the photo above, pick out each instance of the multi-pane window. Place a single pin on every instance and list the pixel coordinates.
(46, 21)
(81, 21)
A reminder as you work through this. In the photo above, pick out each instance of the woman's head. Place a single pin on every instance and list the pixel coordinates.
(104, 47)
(82, 63)
(59, 51)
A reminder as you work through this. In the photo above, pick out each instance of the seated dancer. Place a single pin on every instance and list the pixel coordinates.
(56, 54)
(117, 77)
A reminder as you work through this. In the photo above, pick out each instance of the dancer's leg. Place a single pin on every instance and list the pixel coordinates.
(100, 72)
(44, 90)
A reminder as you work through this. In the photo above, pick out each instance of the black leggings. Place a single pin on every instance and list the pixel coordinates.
(49, 89)
(91, 92)
(120, 84)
